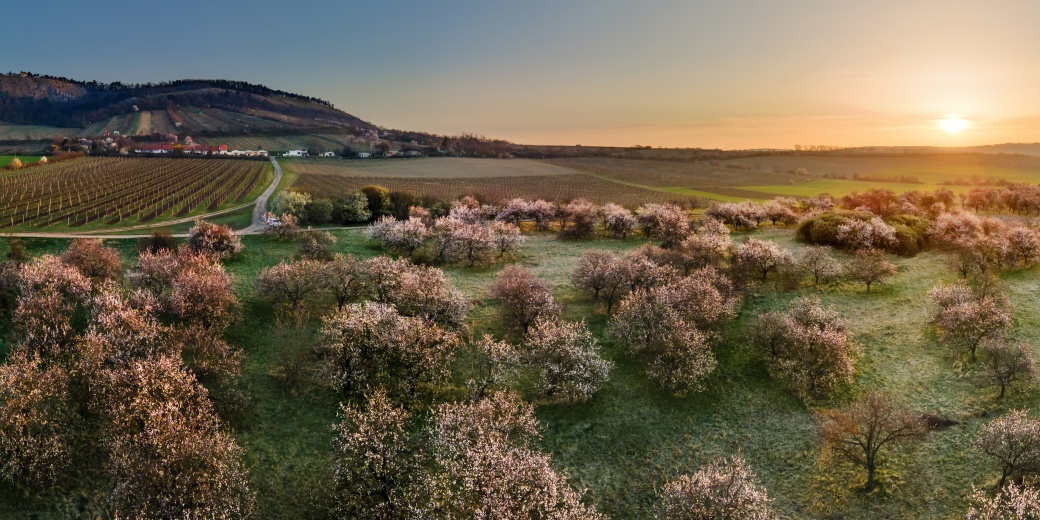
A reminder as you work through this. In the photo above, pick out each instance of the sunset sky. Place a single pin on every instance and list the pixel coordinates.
(736, 74)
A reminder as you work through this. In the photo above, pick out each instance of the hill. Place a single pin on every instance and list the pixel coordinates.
(33, 106)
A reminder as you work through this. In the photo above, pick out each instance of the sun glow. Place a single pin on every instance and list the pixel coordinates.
(953, 124)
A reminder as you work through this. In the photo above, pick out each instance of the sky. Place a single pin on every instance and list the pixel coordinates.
(672, 73)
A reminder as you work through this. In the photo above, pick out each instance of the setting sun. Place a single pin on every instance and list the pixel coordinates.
(954, 124)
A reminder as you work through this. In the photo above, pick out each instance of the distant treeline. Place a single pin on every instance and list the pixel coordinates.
(252, 88)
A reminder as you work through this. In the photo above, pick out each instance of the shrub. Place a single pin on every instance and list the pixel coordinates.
(378, 200)
(355, 209)
(291, 202)
(911, 234)
(318, 211)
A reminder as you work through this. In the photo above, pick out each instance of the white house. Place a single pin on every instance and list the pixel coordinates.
(328, 154)
(249, 153)
(296, 153)
(363, 155)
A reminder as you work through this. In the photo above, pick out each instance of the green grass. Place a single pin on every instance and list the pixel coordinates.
(5, 160)
(838, 188)
(632, 437)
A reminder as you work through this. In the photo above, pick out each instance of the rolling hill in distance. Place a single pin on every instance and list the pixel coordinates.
(185, 106)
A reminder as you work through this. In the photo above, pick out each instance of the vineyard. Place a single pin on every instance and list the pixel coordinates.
(115, 190)
(334, 143)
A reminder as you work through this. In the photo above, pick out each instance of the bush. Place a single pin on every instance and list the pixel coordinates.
(291, 202)
(319, 211)
(911, 234)
(822, 229)
(378, 200)
(160, 239)
(354, 208)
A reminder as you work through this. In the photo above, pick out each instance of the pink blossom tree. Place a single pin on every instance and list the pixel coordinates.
(567, 359)
(291, 282)
(524, 297)
(754, 256)
(965, 321)
(1012, 442)
(485, 466)
(870, 267)
(377, 464)
(213, 240)
(92, 259)
(725, 488)
(617, 220)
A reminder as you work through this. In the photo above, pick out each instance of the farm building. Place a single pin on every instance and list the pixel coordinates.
(327, 154)
(160, 148)
(363, 155)
(296, 153)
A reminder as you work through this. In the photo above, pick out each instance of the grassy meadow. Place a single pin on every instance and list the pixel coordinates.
(625, 443)
(5, 160)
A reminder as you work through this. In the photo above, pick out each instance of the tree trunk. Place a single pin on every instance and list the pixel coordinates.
(870, 478)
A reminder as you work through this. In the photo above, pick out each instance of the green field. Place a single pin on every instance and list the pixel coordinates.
(624, 444)
(5, 160)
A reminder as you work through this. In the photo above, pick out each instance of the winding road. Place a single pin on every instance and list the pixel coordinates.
(259, 208)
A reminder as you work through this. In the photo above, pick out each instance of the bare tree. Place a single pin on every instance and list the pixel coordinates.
(1008, 363)
(863, 431)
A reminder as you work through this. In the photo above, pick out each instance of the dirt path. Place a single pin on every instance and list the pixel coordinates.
(261, 201)
(144, 123)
